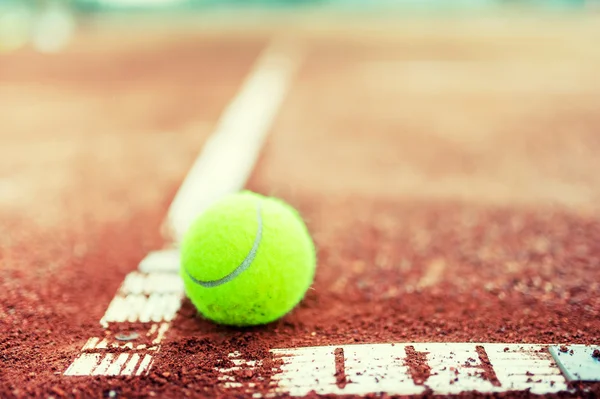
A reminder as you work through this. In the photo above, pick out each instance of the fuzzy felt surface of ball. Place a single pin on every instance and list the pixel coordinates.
(247, 260)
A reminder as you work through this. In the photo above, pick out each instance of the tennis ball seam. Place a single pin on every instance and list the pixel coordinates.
(246, 263)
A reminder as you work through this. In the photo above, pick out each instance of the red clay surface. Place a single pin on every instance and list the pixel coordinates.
(449, 182)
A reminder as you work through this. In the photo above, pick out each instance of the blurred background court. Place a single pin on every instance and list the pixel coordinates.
(47, 25)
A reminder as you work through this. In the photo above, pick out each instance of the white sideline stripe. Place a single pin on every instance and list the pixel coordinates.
(157, 307)
(380, 368)
(172, 309)
(114, 311)
(146, 313)
(136, 305)
(166, 261)
(151, 283)
(229, 155)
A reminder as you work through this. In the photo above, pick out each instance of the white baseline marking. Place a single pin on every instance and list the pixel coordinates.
(385, 368)
(229, 155)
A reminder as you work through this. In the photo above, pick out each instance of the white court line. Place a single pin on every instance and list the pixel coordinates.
(229, 155)
(384, 368)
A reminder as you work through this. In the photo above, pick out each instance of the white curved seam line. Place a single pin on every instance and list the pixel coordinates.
(242, 267)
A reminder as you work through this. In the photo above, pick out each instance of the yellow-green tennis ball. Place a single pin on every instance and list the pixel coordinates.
(247, 260)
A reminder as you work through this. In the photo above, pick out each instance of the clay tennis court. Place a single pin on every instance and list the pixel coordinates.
(447, 169)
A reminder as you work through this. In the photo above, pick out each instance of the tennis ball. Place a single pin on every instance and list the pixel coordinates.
(247, 260)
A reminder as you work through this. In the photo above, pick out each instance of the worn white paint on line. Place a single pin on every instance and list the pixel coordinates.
(134, 305)
(132, 308)
(229, 155)
(156, 332)
(145, 297)
(303, 372)
(109, 364)
(151, 283)
(130, 366)
(512, 367)
(454, 369)
(386, 370)
(104, 365)
(114, 311)
(141, 298)
(117, 364)
(161, 310)
(145, 365)
(161, 333)
(375, 368)
(84, 364)
(147, 313)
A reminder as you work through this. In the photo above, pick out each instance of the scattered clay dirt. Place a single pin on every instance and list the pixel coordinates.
(488, 370)
(340, 369)
(417, 365)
